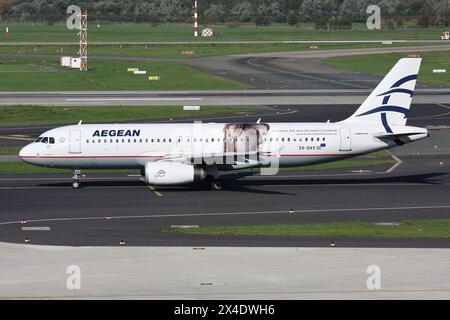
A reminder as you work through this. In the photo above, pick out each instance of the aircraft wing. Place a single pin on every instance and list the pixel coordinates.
(198, 158)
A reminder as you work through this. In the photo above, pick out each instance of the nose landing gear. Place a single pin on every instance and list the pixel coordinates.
(76, 178)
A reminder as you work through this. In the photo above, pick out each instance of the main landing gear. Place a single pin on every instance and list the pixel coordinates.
(212, 178)
(76, 178)
(216, 185)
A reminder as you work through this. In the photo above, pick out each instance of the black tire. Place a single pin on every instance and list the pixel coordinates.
(216, 185)
(75, 184)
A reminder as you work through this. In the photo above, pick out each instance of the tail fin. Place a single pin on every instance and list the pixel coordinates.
(389, 103)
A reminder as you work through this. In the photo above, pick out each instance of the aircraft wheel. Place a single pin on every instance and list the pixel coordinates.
(216, 186)
(75, 184)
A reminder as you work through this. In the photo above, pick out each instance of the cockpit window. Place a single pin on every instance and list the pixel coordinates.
(50, 140)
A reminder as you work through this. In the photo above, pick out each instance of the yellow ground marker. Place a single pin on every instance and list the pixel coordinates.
(152, 189)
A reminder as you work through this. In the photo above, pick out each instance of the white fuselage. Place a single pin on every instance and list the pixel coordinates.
(134, 145)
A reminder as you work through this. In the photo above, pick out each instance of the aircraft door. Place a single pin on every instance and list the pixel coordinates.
(75, 141)
(346, 139)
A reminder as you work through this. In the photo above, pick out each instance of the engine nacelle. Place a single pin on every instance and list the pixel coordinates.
(172, 173)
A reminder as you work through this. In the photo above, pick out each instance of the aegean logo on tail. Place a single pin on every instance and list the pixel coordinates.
(395, 88)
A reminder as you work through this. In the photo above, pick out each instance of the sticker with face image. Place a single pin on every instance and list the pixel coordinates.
(244, 137)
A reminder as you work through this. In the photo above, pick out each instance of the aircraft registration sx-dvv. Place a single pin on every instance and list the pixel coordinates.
(173, 154)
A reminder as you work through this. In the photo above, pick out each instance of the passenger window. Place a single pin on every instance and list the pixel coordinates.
(306, 139)
(170, 140)
(87, 141)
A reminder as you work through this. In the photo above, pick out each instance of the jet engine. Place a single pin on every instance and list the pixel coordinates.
(172, 173)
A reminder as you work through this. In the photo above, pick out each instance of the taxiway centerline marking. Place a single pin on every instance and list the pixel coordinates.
(152, 189)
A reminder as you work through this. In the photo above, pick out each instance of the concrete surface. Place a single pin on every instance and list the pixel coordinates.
(223, 273)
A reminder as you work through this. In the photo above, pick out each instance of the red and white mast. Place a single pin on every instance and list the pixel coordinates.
(195, 18)
(84, 42)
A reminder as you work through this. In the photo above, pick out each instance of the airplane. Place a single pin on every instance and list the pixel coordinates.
(183, 153)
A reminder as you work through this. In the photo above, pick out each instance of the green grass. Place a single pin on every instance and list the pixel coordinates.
(9, 151)
(356, 163)
(36, 74)
(439, 228)
(200, 50)
(33, 115)
(19, 167)
(145, 32)
(381, 64)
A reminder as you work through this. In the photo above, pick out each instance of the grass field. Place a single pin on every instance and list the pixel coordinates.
(381, 64)
(18, 167)
(360, 163)
(43, 74)
(145, 32)
(199, 50)
(439, 228)
(41, 115)
(9, 151)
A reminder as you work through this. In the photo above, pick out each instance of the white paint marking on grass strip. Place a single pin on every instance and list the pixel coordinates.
(235, 213)
(185, 226)
(36, 229)
(133, 99)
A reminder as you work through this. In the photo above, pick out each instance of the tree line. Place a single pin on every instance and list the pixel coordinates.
(329, 13)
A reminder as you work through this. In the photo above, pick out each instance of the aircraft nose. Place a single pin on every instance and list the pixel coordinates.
(25, 153)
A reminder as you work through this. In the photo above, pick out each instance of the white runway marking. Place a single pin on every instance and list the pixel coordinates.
(133, 99)
(234, 213)
(36, 229)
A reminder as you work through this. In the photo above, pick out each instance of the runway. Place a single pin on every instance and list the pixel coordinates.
(214, 98)
(301, 69)
(138, 214)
